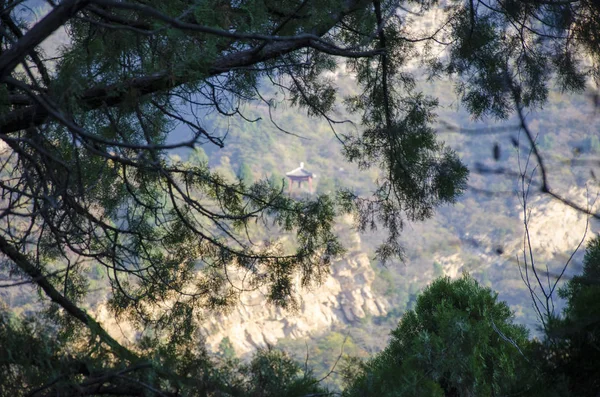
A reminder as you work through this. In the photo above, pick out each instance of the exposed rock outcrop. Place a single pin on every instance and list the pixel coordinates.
(554, 229)
(344, 296)
(557, 228)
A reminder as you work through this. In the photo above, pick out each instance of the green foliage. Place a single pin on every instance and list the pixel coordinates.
(438, 269)
(25, 357)
(548, 142)
(226, 350)
(272, 373)
(278, 181)
(574, 339)
(324, 355)
(499, 73)
(244, 174)
(93, 197)
(458, 341)
(594, 144)
(423, 173)
(198, 157)
(326, 185)
(35, 359)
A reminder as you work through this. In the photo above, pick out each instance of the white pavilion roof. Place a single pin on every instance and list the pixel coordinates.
(300, 172)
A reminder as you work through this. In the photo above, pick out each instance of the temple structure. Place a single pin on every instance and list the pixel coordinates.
(300, 175)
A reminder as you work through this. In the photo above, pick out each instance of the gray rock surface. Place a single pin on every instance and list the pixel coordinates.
(345, 296)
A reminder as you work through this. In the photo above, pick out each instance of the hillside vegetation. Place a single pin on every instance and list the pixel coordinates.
(151, 243)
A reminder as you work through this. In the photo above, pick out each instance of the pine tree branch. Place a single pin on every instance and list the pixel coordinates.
(33, 54)
(384, 65)
(23, 263)
(163, 81)
(40, 31)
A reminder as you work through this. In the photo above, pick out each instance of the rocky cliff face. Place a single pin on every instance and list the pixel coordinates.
(555, 231)
(345, 296)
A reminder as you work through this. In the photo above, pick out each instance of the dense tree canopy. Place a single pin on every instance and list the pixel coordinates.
(88, 184)
(574, 337)
(458, 341)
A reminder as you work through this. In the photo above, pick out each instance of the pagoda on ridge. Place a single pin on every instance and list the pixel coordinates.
(300, 175)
